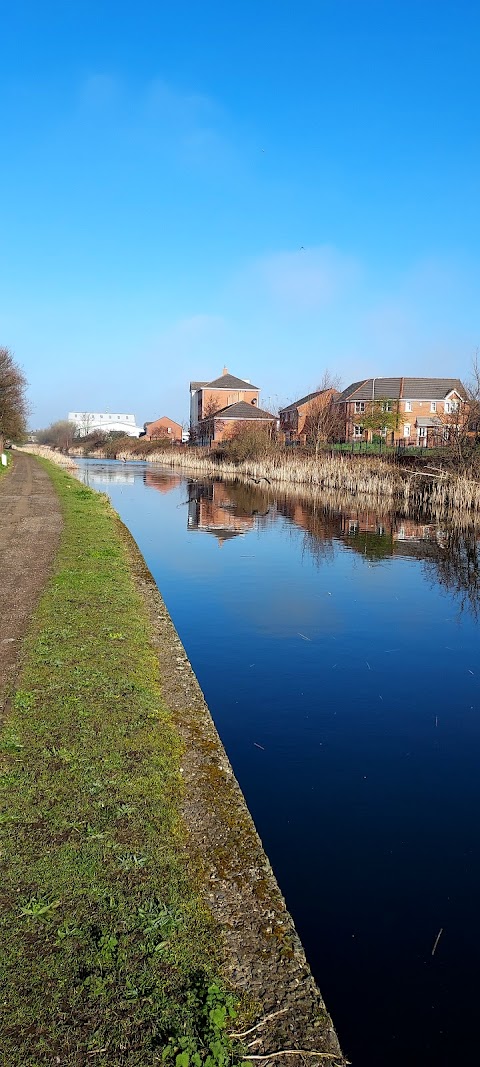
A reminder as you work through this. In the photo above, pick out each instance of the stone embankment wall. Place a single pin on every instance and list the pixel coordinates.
(264, 957)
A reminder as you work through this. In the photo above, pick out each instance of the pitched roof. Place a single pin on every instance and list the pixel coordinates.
(229, 381)
(304, 400)
(198, 385)
(402, 388)
(242, 410)
(160, 418)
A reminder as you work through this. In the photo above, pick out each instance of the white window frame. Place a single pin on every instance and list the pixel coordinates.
(357, 430)
(359, 407)
(422, 432)
(387, 406)
(408, 405)
(407, 429)
(433, 406)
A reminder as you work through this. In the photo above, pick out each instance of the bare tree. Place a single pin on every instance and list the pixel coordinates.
(59, 434)
(13, 403)
(324, 421)
(461, 427)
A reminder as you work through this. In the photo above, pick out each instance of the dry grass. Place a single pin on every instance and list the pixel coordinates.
(49, 453)
(373, 478)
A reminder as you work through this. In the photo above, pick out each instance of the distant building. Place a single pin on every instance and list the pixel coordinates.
(208, 397)
(165, 429)
(87, 421)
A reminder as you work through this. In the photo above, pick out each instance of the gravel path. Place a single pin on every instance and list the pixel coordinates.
(30, 525)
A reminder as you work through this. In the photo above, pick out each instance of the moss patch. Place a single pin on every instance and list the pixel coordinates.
(106, 945)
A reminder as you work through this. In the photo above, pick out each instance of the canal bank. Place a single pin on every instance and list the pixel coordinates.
(411, 483)
(133, 875)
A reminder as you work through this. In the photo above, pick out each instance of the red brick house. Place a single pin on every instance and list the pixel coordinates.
(165, 429)
(226, 423)
(303, 418)
(419, 411)
(208, 397)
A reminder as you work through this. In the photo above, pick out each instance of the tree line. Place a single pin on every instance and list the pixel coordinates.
(13, 400)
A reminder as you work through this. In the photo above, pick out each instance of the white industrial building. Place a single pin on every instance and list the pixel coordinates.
(86, 421)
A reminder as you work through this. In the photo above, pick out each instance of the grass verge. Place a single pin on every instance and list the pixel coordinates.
(107, 953)
(4, 469)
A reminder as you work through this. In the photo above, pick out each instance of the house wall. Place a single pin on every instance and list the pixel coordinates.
(407, 413)
(213, 430)
(294, 423)
(227, 428)
(163, 427)
(210, 400)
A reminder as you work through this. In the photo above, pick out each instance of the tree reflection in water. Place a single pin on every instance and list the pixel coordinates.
(450, 551)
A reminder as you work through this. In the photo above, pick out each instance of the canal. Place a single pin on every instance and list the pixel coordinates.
(338, 652)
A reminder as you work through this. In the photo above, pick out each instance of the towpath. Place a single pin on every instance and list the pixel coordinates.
(30, 525)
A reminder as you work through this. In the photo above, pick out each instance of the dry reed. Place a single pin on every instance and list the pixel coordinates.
(49, 453)
(373, 479)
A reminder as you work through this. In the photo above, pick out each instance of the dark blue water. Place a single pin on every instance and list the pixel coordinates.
(338, 652)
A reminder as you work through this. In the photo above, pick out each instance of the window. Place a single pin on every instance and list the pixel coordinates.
(359, 407)
(406, 430)
(451, 406)
(353, 526)
(433, 406)
(408, 405)
(387, 405)
(357, 431)
(422, 431)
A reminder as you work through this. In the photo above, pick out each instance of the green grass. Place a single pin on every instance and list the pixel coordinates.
(107, 953)
(3, 469)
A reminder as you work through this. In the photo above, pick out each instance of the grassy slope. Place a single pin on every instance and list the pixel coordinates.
(106, 949)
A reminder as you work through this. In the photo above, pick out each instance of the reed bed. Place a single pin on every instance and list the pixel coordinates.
(372, 478)
(49, 453)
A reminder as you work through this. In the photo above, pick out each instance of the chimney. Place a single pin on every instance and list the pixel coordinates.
(224, 371)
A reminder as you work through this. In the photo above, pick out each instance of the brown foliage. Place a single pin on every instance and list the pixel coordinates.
(59, 435)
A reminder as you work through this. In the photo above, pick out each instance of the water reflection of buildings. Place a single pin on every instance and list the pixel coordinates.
(450, 551)
(224, 510)
(373, 534)
(377, 536)
(162, 481)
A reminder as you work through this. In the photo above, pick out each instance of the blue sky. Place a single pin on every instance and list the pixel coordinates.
(281, 187)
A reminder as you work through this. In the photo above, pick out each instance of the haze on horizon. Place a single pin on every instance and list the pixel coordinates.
(280, 189)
